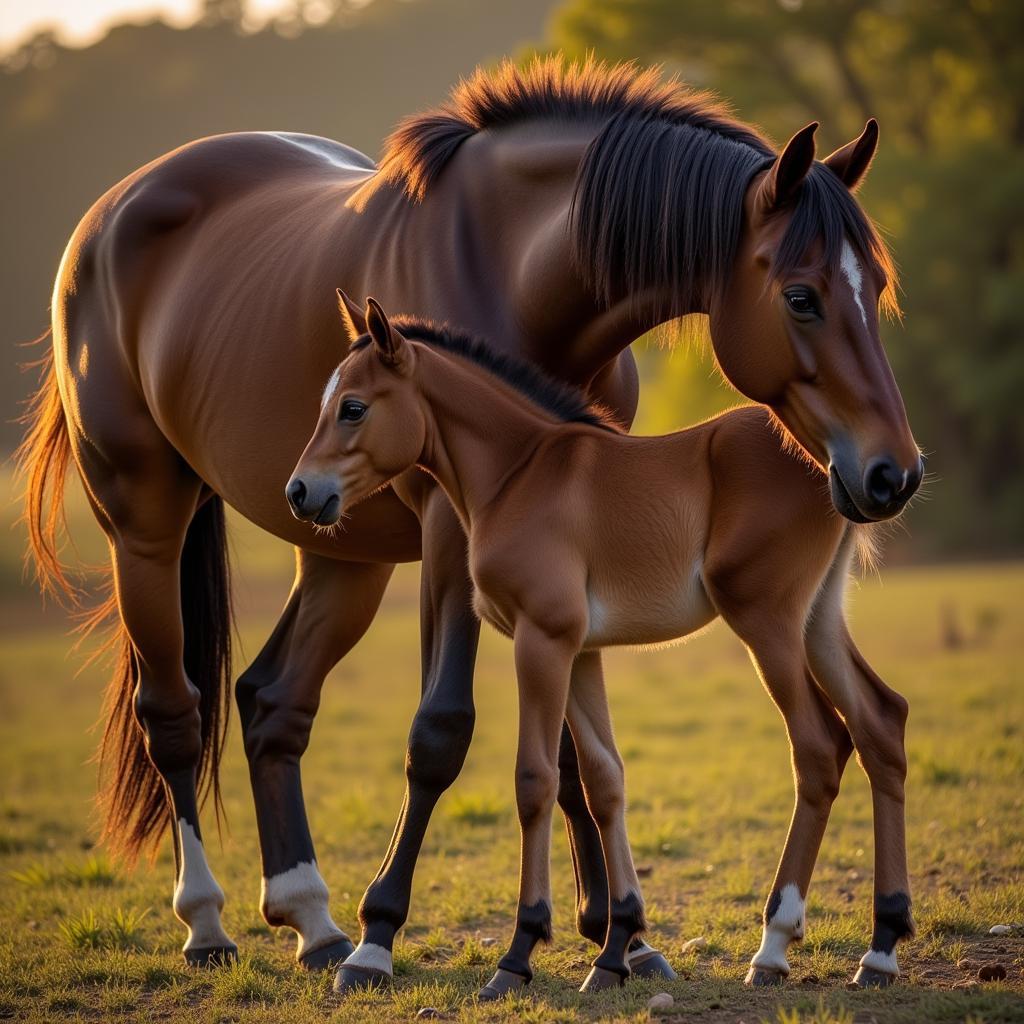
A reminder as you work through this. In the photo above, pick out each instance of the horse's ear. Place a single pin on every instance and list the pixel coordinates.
(851, 162)
(390, 343)
(790, 168)
(351, 316)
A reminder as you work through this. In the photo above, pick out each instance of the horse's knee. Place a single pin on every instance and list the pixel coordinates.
(536, 790)
(438, 743)
(818, 772)
(172, 725)
(277, 721)
(605, 781)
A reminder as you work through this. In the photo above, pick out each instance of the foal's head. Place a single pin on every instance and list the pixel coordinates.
(371, 428)
(796, 327)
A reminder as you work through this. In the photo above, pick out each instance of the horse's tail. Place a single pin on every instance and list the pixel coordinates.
(132, 794)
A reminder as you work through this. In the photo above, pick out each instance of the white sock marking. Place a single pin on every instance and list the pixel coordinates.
(368, 954)
(879, 961)
(786, 926)
(297, 898)
(198, 899)
(851, 269)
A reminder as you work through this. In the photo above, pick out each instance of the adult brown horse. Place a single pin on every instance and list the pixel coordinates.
(635, 540)
(561, 213)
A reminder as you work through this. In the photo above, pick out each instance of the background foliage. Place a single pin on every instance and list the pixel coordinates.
(944, 77)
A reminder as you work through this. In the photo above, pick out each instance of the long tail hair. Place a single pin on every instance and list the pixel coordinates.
(132, 796)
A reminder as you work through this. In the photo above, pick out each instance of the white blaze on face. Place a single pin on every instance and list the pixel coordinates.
(851, 268)
(785, 926)
(297, 898)
(198, 899)
(332, 386)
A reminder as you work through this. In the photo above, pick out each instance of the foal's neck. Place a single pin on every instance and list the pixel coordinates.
(480, 431)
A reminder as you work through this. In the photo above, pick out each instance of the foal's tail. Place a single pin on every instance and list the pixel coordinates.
(132, 794)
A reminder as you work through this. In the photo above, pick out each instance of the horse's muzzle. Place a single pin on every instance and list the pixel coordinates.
(314, 500)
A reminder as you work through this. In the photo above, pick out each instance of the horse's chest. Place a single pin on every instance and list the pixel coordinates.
(652, 611)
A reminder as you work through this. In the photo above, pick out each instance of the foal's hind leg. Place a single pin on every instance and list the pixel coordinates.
(329, 609)
(146, 511)
(875, 716)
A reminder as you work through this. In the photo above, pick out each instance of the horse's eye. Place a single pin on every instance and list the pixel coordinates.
(351, 411)
(801, 302)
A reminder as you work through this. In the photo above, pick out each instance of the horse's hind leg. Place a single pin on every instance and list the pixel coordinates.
(876, 717)
(146, 499)
(330, 607)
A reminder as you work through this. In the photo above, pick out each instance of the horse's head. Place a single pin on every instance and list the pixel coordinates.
(370, 429)
(797, 325)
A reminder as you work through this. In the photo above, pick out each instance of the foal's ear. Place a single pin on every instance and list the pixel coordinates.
(852, 161)
(351, 316)
(790, 168)
(389, 342)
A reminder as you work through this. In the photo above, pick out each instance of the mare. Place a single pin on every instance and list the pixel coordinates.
(559, 211)
(583, 537)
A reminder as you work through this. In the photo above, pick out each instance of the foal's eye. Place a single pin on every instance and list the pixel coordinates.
(351, 411)
(801, 302)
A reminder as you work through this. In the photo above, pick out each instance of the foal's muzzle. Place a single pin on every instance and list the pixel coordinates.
(880, 493)
(314, 499)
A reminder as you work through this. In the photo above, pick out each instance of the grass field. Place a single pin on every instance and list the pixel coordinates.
(710, 795)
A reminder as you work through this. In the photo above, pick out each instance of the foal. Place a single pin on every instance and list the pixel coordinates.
(581, 537)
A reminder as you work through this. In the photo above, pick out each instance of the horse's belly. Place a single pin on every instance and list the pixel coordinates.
(659, 615)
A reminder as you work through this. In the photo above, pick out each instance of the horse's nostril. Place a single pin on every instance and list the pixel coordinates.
(296, 494)
(883, 482)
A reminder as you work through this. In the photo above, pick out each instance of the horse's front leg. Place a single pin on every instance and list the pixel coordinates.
(330, 607)
(543, 666)
(438, 741)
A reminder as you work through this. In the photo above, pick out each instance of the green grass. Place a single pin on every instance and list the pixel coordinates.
(710, 795)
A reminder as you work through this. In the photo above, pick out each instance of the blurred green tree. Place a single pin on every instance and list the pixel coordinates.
(945, 78)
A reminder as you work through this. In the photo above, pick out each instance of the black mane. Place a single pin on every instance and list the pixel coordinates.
(658, 200)
(563, 401)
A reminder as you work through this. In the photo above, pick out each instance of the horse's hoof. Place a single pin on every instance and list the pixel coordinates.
(651, 965)
(764, 977)
(868, 977)
(211, 956)
(600, 979)
(327, 958)
(351, 978)
(501, 984)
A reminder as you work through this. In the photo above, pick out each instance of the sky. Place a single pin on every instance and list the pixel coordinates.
(80, 22)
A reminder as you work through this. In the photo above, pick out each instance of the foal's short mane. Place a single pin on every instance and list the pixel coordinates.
(563, 401)
(658, 200)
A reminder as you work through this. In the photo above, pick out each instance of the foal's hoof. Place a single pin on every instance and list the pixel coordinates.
(600, 979)
(764, 977)
(351, 978)
(327, 958)
(651, 965)
(211, 956)
(501, 984)
(868, 977)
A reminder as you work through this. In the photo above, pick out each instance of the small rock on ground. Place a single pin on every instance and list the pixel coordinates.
(1000, 929)
(488, 941)
(991, 972)
(698, 943)
(430, 1013)
(662, 1001)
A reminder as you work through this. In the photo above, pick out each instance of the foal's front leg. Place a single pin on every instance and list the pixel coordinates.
(543, 666)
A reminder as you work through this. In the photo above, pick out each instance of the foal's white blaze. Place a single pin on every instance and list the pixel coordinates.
(298, 898)
(879, 961)
(786, 926)
(371, 956)
(851, 269)
(198, 899)
(332, 386)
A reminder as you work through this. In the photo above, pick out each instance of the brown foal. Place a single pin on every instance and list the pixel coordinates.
(583, 537)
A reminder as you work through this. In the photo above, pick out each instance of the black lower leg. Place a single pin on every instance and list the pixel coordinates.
(625, 924)
(533, 925)
(893, 921)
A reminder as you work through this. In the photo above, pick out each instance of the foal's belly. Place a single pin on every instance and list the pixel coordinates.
(658, 613)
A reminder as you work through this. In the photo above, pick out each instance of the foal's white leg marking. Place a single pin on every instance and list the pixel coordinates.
(198, 899)
(785, 926)
(373, 957)
(851, 269)
(298, 898)
(332, 386)
(878, 961)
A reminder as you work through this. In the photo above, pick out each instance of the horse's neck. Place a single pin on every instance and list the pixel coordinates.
(479, 433)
